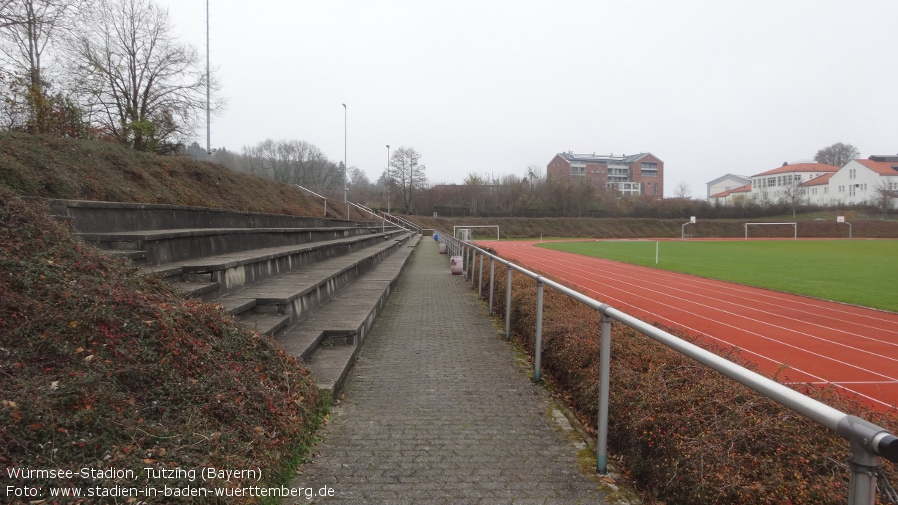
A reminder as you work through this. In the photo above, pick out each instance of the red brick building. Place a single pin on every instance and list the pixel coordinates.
(638, 174)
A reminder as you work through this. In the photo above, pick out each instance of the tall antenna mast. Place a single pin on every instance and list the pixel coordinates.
(208, 91)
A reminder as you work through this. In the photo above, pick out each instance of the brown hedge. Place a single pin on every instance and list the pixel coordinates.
(103, 368)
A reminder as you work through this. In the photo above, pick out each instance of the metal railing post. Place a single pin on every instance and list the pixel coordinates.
(604, 388)
(480, 280)
(473, 264)
(863, 466)
(464, 260)
(492, 281)
(538, 346)
(508, 302)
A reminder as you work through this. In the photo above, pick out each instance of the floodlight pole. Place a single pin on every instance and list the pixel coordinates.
(345, 164)
(208, 92)
(388, 178)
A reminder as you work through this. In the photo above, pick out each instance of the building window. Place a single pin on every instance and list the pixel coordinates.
(656, 188)
(649, 168)
(578, 170)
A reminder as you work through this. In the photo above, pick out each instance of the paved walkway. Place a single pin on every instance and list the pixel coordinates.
(436, 410)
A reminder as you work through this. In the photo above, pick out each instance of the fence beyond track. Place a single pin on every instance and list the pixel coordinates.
(868, 442)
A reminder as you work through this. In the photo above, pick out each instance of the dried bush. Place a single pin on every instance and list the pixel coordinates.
(101, 367)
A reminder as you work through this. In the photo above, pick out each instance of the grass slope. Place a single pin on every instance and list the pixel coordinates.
(859, 272)
(103, 368)
(33, 165)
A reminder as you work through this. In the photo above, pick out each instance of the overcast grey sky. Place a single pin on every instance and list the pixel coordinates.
(487, 86)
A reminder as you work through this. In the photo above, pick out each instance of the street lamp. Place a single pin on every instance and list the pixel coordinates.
(345, 166)
(388, 178)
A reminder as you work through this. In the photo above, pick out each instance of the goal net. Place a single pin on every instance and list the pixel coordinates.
(473, 232)
(793, 225)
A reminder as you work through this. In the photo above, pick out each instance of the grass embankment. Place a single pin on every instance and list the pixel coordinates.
(682, 432)
(33, 165)
(859, 272)
(103, 368)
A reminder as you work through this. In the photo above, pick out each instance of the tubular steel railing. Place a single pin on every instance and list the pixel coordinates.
(316, 194)
(868, 442)
(393, 219)
(382, 220)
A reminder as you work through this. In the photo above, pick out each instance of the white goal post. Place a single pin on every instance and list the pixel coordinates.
(456, 228)
(793, 225)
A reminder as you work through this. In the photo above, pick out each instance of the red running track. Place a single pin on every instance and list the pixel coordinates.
(806, 340)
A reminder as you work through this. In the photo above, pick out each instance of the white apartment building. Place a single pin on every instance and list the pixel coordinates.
(784, 182)
(864, 181)
(867, 181)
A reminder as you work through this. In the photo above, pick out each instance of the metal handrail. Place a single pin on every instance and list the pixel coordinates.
(316, 194)
(383, 221)
(392, 217)
(868, 442)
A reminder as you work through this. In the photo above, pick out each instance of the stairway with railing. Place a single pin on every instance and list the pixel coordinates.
(314, 284)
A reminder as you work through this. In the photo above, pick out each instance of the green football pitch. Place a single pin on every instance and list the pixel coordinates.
(860, 272)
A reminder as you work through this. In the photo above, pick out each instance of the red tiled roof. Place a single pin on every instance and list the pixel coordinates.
(880, 167)
(817, 181)
(740, 189)
(800, 167)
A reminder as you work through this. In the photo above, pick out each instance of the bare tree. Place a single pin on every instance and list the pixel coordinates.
(358, 178)
(682, 191)
(28, 28)
(7, 15)
(474, 186)
(252, 161)
(884, 196)
(292, 161)
(838, 154)
(144, 88)
(407, 175)
(794, 194)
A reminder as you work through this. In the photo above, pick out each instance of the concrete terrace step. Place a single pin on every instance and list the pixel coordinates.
(316, 285)
(266, 324)
(300, 291)
(329, 338)
(137, 256)
(233, 271)
(330, 364)
(100, 217)
(171, 245)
